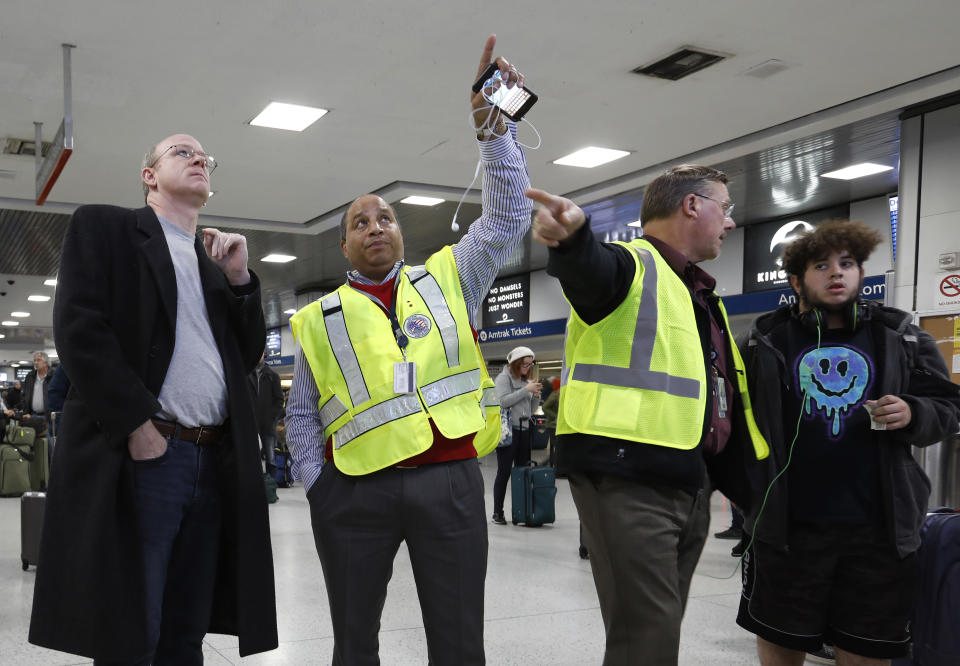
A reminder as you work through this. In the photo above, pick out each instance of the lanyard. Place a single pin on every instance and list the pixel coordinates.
(391, 312)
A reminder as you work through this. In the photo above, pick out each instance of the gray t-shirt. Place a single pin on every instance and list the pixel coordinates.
(194, 391)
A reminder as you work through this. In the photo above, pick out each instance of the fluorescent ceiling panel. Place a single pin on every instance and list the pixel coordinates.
(422, 201)
(857, 171)
(590, 157)
(278, 115)
(278, 258)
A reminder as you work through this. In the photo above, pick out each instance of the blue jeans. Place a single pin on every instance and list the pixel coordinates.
(178, 507)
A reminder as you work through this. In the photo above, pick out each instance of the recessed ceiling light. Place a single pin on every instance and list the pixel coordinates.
(290, 311)
(19, 314)
(422, 201)
(857, 171)
(635, 223)
(2, 336)
(52, 354)
(590, 157)
(278, 258)
(9, 323)
(52, 282)
(288, 116)
(38, 298)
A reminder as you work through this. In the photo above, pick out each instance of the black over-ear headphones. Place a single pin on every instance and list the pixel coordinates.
(814, 319)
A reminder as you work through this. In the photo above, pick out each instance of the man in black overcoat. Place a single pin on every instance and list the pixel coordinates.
(156, 520)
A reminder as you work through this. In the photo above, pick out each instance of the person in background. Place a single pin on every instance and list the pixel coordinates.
(521, 395)
(35, 386)
(268, 407)
(14, 396)
(58, 389)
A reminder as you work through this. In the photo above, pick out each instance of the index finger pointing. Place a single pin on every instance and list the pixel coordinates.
(542, 197)
(487, 54)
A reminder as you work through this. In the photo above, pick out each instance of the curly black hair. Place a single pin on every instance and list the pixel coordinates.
(832, 236)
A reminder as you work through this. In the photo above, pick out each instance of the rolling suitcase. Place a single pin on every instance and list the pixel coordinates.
(39, 464)
(936, 613)
(532, 491)
(31, 521)
(14, 472)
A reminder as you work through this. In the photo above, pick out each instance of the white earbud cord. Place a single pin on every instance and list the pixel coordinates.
(485, 124)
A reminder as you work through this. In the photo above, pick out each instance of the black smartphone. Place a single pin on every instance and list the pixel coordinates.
(514, 102)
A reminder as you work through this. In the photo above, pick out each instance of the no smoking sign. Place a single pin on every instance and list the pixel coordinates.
(948, 291)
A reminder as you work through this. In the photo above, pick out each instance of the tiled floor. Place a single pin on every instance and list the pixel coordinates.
(541, 606)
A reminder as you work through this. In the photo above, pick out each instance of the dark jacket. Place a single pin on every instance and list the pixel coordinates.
(13, 398)
(115, 321)
(57, 390)
(267, 400)
(26, 399)
(912, 369)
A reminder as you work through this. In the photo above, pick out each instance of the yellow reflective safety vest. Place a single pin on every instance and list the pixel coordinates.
(639, 373)
(487, 439)
(352, 351)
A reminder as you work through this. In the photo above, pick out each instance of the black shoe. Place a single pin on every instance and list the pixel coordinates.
(737, 551)
(499, 519)
(824, 655)
(730, 533)
(584, 553)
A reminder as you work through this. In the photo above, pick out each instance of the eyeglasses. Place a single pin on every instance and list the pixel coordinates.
(526, 364)
(726, 207)
(188, 153)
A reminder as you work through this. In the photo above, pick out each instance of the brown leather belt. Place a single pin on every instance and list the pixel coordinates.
(201, 436)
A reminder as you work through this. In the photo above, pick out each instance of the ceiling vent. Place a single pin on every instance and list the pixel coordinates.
(24, 147)
(681, 63)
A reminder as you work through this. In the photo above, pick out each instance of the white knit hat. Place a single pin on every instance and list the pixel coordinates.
(519, 352)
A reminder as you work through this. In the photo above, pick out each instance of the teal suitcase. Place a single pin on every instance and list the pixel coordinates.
(533, 492)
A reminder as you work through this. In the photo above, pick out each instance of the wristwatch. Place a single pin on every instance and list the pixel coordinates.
(484, 133)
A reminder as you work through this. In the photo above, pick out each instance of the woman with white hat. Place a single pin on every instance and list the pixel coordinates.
(521, 395)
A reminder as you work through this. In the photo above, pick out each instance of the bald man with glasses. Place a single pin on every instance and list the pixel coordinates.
(156, 521)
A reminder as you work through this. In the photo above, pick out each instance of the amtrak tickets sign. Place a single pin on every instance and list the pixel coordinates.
(508, 302)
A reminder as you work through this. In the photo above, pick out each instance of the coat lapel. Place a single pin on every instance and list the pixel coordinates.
(157, 256)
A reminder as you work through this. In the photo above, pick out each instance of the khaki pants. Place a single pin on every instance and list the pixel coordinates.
(644, 544)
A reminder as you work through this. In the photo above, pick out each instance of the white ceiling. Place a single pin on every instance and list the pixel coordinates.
(396, 78)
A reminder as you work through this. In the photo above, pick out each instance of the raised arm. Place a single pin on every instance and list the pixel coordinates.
(505, 218)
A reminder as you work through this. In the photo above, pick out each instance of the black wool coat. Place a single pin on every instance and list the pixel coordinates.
(114, 325)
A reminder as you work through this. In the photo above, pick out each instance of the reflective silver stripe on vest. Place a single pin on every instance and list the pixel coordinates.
(332, 410)
(909, 338)
(376, 416)
(489, 398)
(343, 349)
(450, 387)
(429, 290)
(639, 375)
